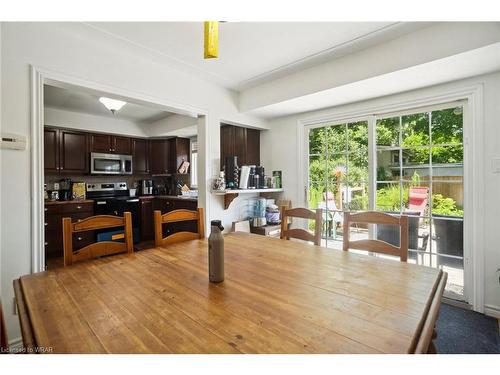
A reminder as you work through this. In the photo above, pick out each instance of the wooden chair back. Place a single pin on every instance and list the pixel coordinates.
(174, 217)
(4, 342)
(97, 249)
(377, 246)
(301, 234)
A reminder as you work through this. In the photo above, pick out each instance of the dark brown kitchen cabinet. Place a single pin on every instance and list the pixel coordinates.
(73, 154)
(51, 150)
(179, 151)
(54, 213)
(140, 156)
(100, 143)
(252, 147)
(65, 151)
(169, 204)
(159, 156)
(241, 142)
(121, 145)
(147, 225)
(111, 144)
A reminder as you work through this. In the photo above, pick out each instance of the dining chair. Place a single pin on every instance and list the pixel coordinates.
(4, 342)
(101, 248)
(377, 246)
(175, 217)
(301, 234)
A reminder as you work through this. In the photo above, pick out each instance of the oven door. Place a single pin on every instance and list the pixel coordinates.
(105, 164)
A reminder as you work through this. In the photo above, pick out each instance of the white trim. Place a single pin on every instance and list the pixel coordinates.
(473, 168)
(39, 77)
(493, 311)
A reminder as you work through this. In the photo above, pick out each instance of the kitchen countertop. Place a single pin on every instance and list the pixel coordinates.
(51, 203)
(190, 199)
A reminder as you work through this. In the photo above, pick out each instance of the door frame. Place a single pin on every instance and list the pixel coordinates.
(473, 168)
(39, 77)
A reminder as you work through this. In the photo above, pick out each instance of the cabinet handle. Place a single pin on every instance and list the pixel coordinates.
(78, 207)
(79, 220)
(46, 224)
(46, 209)
(46, 243)
(61, 168)
(79, 238)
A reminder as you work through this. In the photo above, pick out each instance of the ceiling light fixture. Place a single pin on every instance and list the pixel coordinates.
(112, 104)
(211, 39)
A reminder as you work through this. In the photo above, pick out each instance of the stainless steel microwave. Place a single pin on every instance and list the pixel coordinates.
(110, 163)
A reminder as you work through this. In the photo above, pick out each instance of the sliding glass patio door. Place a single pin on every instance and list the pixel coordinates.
(408, 163)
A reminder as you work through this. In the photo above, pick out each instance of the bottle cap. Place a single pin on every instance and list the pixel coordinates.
(217, 223)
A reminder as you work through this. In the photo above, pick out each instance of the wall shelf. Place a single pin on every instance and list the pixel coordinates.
(230, 195)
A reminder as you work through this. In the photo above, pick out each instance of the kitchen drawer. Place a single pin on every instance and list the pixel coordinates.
(78, 207)
(83, 239)
(53, 223)
(179, 204)
(52, 209)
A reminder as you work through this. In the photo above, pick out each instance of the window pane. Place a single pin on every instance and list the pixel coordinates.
(356, 195)
(416, 163)
(415, 130)
(388, 197)
(388, 167)
(194, 169)
(317, 168)
(387, 132)
(317, 141)
(447, 154)
(447, 126)
(449, 240)
(416, 197)
(357, 136)
(447, 198)
(336, 139)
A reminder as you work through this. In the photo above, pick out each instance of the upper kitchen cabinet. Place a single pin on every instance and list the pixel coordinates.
(65, 151)
(159, 156)
(110, 144)
(100, 143)
(51, 149)
(73, 152)
(121, 145)
(241, 142)
(179, 149)
(140, 153)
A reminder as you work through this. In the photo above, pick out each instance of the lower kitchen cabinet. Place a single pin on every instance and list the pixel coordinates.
(147, 225)
(149, 205)
(54, 213)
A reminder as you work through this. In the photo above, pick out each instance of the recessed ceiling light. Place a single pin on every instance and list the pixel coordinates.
(112, 104)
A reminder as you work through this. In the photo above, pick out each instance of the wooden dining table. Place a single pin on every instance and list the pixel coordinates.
(277, 297)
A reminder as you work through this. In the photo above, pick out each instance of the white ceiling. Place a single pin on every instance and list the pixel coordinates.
(251, 53)
(76, 101)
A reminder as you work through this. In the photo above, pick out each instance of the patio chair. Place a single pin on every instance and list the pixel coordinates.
(331, 217)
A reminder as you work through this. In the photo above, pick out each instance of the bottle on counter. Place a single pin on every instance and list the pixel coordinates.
(216, 252)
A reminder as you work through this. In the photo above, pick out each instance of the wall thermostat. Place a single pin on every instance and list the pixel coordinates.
(13, 141)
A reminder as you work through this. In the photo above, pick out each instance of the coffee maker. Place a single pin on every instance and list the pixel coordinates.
(146, 187)
(65, 193)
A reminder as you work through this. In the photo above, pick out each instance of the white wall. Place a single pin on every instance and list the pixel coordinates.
(279, 152)
(76, 51)
(169, 125)
(83, 121)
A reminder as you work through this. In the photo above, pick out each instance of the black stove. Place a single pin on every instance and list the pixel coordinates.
(112, 198)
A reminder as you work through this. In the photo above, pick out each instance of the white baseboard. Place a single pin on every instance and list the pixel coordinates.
(493, 311)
